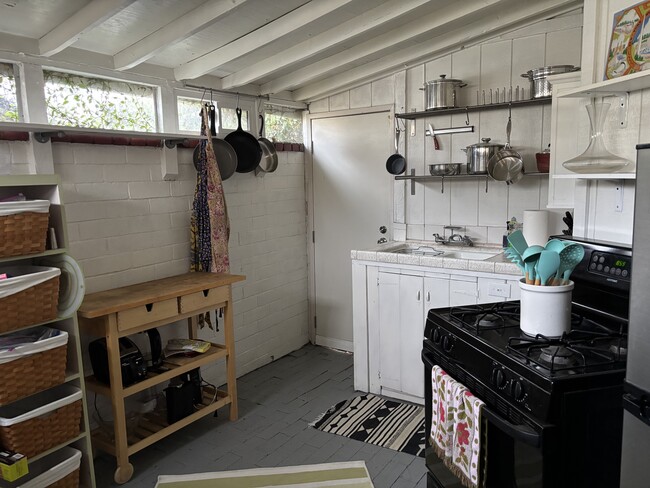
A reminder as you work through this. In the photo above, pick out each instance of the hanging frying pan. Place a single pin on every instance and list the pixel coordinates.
(249, 151)
(269, 161)
(507, 164)
(223, 152)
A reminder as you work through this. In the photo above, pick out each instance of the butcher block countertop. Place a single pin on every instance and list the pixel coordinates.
(385, 253)
(117, 299)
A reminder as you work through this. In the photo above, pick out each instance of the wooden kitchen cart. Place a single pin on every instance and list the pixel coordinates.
(128, 310)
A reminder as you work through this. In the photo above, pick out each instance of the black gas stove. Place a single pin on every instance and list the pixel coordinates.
(547, 400)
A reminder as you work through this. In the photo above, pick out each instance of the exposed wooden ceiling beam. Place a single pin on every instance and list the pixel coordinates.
(71, 29)
(424, 25)
(353, 27)
(487, 27)
(178, 29)
(273, 30)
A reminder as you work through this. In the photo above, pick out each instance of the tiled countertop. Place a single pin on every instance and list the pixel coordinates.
(382, 254)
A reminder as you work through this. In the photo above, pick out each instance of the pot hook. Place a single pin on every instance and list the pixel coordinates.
(466, 116)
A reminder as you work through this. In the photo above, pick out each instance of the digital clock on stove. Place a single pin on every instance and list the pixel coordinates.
(613, 265)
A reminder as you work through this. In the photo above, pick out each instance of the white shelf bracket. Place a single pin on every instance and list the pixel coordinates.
(623, 104)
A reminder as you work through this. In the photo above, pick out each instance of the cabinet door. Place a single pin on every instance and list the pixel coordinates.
(412, 334)
(389, 330)
(462, 292)
(436, 293)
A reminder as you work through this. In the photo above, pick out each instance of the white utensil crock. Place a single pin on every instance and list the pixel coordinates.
(545, 310)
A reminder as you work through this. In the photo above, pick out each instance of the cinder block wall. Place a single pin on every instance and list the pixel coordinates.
(126, 225)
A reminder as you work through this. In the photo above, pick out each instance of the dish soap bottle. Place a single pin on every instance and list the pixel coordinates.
(511, 226)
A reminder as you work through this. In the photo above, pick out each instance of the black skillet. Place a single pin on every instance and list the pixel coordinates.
(248, 149)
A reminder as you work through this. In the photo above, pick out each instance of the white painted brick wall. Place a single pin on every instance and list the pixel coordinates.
(126, 225)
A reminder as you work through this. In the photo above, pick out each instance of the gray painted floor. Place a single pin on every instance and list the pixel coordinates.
(276, 403)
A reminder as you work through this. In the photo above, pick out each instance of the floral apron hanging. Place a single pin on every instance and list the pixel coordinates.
(209, 224)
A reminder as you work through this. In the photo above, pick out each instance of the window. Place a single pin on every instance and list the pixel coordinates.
(79, 101)
(189, 115)
(8, 101)
(283, 125)
(229, 119)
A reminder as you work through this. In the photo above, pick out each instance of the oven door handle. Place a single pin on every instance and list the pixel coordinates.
(521, 433)
(427, 360)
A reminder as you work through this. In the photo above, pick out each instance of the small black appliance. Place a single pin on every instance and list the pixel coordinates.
(131, 361)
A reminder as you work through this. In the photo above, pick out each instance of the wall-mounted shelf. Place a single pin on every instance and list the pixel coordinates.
(473, 108)
(616, 86)
(596, 176)
(415, 178)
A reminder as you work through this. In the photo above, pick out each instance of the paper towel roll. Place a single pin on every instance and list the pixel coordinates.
(536, 227)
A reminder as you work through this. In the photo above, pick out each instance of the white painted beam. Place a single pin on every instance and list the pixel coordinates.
(270, 32)
(71, 29)
(368, 20)
(488, 26)
(427, 24)
(178, 29)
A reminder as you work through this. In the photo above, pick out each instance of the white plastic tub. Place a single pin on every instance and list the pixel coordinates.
(50, 469)
(18, 345)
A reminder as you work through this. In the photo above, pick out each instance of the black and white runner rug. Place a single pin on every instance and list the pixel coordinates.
(375, 420)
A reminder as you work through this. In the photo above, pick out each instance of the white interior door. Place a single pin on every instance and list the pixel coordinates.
(351, 200)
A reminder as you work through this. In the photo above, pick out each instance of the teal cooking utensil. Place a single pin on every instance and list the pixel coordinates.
(547, 265)
(518, 242)
(557, 246)
(514, 256)
(570, 257)
(530, 257)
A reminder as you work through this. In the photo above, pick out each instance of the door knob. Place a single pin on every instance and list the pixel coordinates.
(382, 229)
(382, 240)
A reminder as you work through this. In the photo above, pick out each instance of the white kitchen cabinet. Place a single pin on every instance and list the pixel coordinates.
(463, 291)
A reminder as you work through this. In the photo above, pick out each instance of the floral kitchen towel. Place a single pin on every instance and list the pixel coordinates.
(441, 435)
(456, 428)
(466, 445)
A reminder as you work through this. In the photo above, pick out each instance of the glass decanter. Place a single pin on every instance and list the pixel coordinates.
(596, 158)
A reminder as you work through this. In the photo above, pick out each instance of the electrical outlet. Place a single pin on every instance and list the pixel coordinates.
(499, 290)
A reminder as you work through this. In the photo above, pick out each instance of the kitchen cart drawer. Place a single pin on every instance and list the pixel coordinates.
(145, 314)
(203, 299)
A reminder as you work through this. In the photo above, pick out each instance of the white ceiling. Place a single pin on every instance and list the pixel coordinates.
(301, 49)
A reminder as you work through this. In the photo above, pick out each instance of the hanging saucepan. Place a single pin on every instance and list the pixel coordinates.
(506, 165)
(396, 164)
(223, 152)
(269, 161)
(246, 146)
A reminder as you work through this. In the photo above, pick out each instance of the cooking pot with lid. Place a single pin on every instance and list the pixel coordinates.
(479, 154)
(539, 85)
(441, 93)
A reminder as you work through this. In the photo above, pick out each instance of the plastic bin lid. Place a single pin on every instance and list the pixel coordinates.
(23, 277)
(50, 469)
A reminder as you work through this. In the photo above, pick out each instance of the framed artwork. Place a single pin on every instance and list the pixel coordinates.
(629, 45)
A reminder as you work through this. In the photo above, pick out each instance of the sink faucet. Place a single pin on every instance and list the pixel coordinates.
(454, 238)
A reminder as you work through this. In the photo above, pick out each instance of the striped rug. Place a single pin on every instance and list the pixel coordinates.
(351, 474)
(375, 420)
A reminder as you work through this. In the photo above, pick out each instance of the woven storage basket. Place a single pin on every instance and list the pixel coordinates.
(52, 427)
(69, 481)
(14, 386)
(33, 305)
(23, 233)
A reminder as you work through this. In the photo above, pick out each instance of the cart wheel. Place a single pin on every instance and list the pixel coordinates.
(123, 474)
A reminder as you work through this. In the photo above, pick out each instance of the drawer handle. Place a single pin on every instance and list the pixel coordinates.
(149, 307)
(205, 293)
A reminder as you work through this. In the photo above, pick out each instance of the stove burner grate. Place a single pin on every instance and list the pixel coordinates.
(576, 350)
(493, 316)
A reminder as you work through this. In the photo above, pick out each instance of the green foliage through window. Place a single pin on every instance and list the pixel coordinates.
(98, 103)
(8, 101)
(189, 115)
(282, 125)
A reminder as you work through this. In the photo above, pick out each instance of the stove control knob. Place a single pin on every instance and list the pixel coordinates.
(498, 378)
(519, 391)
(436, 336)
(446, 343)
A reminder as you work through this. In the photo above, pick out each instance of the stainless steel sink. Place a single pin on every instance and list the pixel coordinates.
(452, 253)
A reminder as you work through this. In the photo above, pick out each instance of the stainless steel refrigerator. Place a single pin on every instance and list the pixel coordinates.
(635, 459)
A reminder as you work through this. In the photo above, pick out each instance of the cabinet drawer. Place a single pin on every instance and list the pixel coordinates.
(203, 299)
(144, 314)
